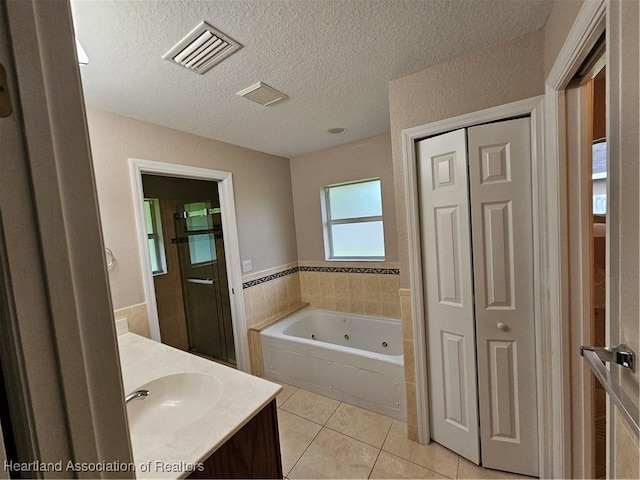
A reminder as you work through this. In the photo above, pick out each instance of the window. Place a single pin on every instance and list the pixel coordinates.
(154, 235)
(200, 232)
(352, 214)
(599, 176)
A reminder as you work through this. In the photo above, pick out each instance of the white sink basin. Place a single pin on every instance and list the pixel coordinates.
(175, 401)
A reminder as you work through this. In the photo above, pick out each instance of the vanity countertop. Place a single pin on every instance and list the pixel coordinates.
(173, 454)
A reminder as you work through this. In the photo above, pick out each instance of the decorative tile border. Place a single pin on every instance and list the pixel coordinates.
(377, 271)
(255, 275)
(267, 278)
(289, 271)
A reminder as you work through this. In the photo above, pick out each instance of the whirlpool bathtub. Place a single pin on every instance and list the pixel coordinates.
(352, 358)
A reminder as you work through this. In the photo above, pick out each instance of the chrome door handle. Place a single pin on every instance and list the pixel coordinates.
(621, 355)
(201, 281)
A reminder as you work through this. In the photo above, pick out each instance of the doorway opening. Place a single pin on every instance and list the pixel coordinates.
(187, 256)
(224, 225)
(587, 186)
(599, 284)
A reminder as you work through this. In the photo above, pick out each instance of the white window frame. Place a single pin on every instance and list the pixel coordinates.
(328, 223)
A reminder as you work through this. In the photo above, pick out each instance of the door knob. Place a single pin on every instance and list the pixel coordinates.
(502, 326)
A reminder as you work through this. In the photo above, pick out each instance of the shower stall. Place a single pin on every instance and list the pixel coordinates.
(184, 227)
(204, 280)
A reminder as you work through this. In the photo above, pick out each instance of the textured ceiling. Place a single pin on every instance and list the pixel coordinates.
(332, 58)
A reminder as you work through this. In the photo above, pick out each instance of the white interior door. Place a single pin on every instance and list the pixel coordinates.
(501, 219)
(623, 222)
(446, 246)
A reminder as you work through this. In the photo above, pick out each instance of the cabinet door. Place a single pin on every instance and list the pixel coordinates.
(448, 292)
(252, 452)
(500, 188)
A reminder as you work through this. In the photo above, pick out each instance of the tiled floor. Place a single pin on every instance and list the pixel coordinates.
(324, 438)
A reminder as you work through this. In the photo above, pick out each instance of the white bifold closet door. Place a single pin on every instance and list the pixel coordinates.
(478, 268)
(446, 256)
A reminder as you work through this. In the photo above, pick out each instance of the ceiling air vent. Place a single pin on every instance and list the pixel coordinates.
(262, 93)
(202, 48)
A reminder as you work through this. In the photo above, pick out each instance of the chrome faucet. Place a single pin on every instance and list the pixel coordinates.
(141, 394)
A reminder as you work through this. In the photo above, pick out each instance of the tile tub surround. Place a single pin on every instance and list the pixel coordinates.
(255, 339)
(324, 438)
(137, 318)
(409, 363)
(367, 288)
(270, 292)
(243, 396)
(628, 451)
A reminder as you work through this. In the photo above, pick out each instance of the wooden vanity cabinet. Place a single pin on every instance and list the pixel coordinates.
(253, 452)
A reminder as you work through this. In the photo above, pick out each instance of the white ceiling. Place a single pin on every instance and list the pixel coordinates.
(332, 58)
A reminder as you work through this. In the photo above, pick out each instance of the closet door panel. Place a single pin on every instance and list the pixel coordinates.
(500, 193)
(498, 252)
(448, 292)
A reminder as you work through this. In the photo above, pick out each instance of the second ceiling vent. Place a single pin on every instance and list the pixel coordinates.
(203, 48)
(263, 94)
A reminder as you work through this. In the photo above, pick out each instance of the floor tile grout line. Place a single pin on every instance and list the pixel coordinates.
(374, 463)
(421, 466)
(303, 418)
(359, 439)
(289, 397)
(388, 431)
(312, 440)
(305, 451)
(352, 438)
(332, 413)
(320, 395)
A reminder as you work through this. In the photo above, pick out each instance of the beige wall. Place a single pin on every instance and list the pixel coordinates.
(561, 18)
(481, 79)
(366, 158)
(261, 182)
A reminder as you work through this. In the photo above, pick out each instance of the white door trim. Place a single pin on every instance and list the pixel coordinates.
(231, 244)
(588, 27)
(533, 107)
(58, 337)
(580, 258)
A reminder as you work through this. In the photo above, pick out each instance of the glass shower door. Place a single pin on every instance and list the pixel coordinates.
(204, 284)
